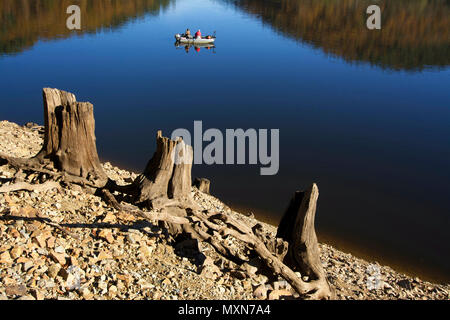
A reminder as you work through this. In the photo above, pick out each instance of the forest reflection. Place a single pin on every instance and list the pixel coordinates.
(24, 22)
(415, 34)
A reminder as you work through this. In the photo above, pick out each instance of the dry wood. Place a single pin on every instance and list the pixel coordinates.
(203, 228)
(181, 180)
(167, 175)
(202, 184)
(154, 216)
(242, 232)
(69, 154)
(69, 140)
(297, 228)
(34, 165)
(49, 185)
(69, 151)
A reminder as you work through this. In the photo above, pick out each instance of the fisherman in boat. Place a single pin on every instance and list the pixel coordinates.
(188, 34)
(198, 34)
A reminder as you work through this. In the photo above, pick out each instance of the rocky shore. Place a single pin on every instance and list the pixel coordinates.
(64, 243)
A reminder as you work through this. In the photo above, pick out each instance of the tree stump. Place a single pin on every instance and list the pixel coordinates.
(167, 174)
(297, 228)
(202, 184)
(181, 181)
(69, 140)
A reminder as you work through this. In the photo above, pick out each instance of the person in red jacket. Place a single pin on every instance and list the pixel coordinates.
(198, 34)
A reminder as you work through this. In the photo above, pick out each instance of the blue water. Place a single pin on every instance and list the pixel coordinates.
(375, 140)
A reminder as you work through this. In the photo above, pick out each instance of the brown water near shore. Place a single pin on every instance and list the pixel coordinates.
(361, 250)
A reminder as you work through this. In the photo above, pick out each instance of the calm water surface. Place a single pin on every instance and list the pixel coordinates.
(364, 114)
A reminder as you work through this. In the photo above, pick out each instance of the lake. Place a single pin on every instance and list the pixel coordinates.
(363, 113)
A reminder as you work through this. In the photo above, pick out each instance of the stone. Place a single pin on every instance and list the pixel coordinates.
(28, 265)
(171, 274)
(16, 252)
(22, 260)
(40, 240)
(14, 232)
(120, 285)
(210, 271)
(28, 212)
(87, 295)
(247, 284)
(145, 251)
(73, 281)
(58, 257)
(126, 217)
(260, 292)
(405, 284)
(104, 255)
(251, 270)
(60, 249)
(125, 278)
(109, 218)
(282, 284)
(276, 294)
(27, 297)
(107, 235)
(53, 270)
(157, 295)
(16, 290)
(112, 291)
(51, 242)
(5, 257)
(38, 294)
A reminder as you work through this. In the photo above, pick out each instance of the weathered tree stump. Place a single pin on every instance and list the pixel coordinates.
(70, 148)
(167, 174)
(181, 181)
(69, 140)
(202, 184)
(297, 228)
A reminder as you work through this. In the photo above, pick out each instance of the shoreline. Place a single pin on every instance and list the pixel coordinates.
(347, 274)
(348, 245)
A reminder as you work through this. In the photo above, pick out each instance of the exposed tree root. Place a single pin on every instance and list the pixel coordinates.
(69, 156)
(49, 185)
(205, 228)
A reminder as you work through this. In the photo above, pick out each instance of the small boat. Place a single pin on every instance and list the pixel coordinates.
(204, 40)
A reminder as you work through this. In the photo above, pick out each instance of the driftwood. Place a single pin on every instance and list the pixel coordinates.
(69, 155)
(167, 175)
(202, 184)
(297, 228)
(49, 185)
(203, 228)
(69, 151)
(69, 140)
